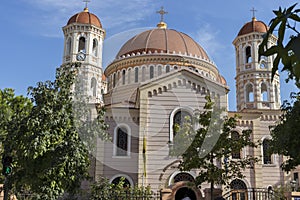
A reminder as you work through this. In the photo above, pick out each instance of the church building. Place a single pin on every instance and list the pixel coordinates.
(158, 77)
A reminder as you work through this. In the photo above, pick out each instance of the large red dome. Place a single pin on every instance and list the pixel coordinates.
(253, 26)
(85, 17)
(163, 40)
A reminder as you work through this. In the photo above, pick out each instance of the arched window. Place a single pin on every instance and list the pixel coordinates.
(159, 70)
(123, 76)
(264, 92)
(94, 86)
(114, 80)
(122, 142)
(151, 71)
(239, 189)
(136, 75)
(183, 176)
(248, 55)
(167, 68)
(68, 46)
(266, 152)
(129, 76)
(81, 45)
(249, 93)
(95, 47)
(117, 180)
(122, 177)
(143, 73)
(179, 119)
(235, 154)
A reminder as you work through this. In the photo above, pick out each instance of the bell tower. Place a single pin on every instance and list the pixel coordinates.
(83, 42)
(254, 88)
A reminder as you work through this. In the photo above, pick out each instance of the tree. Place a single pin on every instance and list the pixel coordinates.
(52, 143)
(289, 53)
(210, 147)
(102, 190)
(285, 135)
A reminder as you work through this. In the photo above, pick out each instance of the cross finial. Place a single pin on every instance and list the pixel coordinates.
(162, 12)
(253, 13)
(86, 2)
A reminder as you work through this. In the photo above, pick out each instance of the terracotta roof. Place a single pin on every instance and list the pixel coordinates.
(85, 17)
(253, 26)
(163, 40)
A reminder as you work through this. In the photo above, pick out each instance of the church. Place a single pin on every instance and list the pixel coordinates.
(158, 77)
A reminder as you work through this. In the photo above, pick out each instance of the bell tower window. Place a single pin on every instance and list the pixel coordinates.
(264, 92)
(95, 47)
(81, 45)
(249, 93)
(248, 55)
(68, 46)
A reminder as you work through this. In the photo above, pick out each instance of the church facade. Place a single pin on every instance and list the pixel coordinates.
(158, 77)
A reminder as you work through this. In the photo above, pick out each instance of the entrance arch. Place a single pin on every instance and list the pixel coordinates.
(239, 190)
(185, 192)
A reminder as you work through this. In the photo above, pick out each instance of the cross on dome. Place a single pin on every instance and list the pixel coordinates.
(253, 13)
(86, 5)
(162, 12)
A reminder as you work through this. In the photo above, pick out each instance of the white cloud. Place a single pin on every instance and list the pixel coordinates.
(208, 38)
(112, 13)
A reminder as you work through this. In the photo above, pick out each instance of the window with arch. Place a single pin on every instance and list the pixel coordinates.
(123, 76)
(249, 93)
(95, 47)
(94, 86)
(122, 141)
(264, 92)
(266, 151)
(114, 80)
(235, 154)
(179, 119)
(129, 76)
(68, 46)
(81, 44)
(159, 70)
(143, 73)
(248, 54)
(151, 71)
(183, 176)
(167, 68)
(117, 180)
(136, 75)
(239, 189)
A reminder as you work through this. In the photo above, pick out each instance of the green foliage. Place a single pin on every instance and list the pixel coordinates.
(285, 135)
(211, 146)
(288, 54)
(52, 141)
(103, 190)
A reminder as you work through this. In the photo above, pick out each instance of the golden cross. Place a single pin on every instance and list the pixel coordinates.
(253, 12)
(86, 2)
(162, 12)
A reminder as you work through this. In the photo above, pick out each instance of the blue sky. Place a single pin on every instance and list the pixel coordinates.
(32, 38)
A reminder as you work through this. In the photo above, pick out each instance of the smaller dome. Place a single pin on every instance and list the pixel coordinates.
(85, 17)
(253, 26)
(103, 77)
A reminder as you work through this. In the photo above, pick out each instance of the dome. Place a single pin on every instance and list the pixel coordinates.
(85, 17)
(163, 40)
(253, 26)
